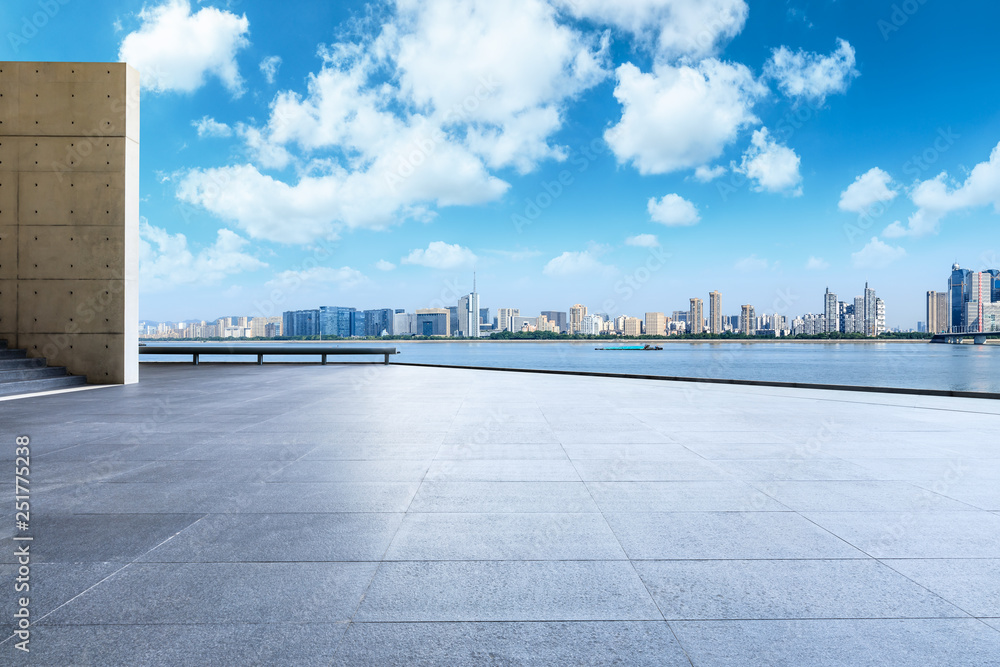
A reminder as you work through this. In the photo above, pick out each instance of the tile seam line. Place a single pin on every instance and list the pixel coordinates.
(123, 567)
(905, 391)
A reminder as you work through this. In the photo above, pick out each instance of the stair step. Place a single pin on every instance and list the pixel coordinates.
(18, 364)
(31, 373)
(13, 354)
(46, 384)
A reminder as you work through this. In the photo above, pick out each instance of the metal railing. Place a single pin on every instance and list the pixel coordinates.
(322, 351)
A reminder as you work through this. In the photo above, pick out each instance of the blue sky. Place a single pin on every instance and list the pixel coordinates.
(628, 156)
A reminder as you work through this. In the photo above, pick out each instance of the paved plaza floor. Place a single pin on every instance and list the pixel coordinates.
(291, 514)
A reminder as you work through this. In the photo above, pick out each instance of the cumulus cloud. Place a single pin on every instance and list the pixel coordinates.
(462, 99)
(877, 255)
(584, 262)
(670, 28)
(166, 260)
(681, 117)
(176, 50)
(772, 166)
(269, 68)
(344, 278)
(752, 263)
(441, 255)
(673, 210)
(643, 241)
(209, 127)
(812, 76)
(817, 264)
(869, 188)
(383, 265)
(935, 199)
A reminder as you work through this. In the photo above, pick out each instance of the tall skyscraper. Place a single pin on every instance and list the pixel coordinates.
(831, 309)
(871, 315)
(879, 317)
(484, 315)
(696, 318)
(656, 324)
(505, 317)
(748, 321)
(958, 291)
(379, 321)
(468, 315)
(576, 313)
(433, 322)
(937, 312)
(715, 312)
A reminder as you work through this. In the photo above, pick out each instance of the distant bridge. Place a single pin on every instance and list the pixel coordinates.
(979, 338)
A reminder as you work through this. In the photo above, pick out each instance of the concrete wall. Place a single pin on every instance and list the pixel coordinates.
(69, 215)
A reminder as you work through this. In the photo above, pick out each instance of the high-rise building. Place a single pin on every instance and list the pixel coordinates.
(379, 321)
(591, 325)
(358, 323)
(715, 312)
(879, 317)
(468, 315)
(958, 293)
(748, 321)
(295, 323)
(871, 314)
(484, 315)
(696, 318)
(632, 326)
(559, 317)
(335, 321)
(831, 310)
(453, 320)
(937, 312)
(433, 322)
(404, 324)
(981, 314)
(679, 316)
(576, 313)
(504, 317)
(656, 324)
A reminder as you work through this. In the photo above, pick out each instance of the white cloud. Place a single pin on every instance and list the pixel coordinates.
(812, 76)
(462, 98)
(643, 241)
(175, 50)
(383, 265)
(752, 263)
(441, 255)
(817, 264)
(876, 255)
(584, 262)
(269, 68)
(681, 117)
(209, 127)
(673, 210)
(706, 174)
(165, 260)
(672, 28)
(935, 200)
(869, 188)
(774, 167)
(344, 278)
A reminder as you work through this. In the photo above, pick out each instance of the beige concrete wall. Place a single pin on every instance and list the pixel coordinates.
(69, 215)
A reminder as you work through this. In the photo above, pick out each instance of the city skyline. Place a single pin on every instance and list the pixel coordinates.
(806, 151)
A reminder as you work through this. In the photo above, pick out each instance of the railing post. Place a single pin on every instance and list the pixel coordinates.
(324, 360)
(196, 356)
(260, 359)
(386, 358)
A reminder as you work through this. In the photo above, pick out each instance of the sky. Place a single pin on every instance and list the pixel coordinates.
(627, 156)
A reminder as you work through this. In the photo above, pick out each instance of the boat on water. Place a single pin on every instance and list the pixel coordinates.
(631, 347)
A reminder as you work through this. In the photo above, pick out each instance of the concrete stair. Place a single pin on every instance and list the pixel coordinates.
(21, 375)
